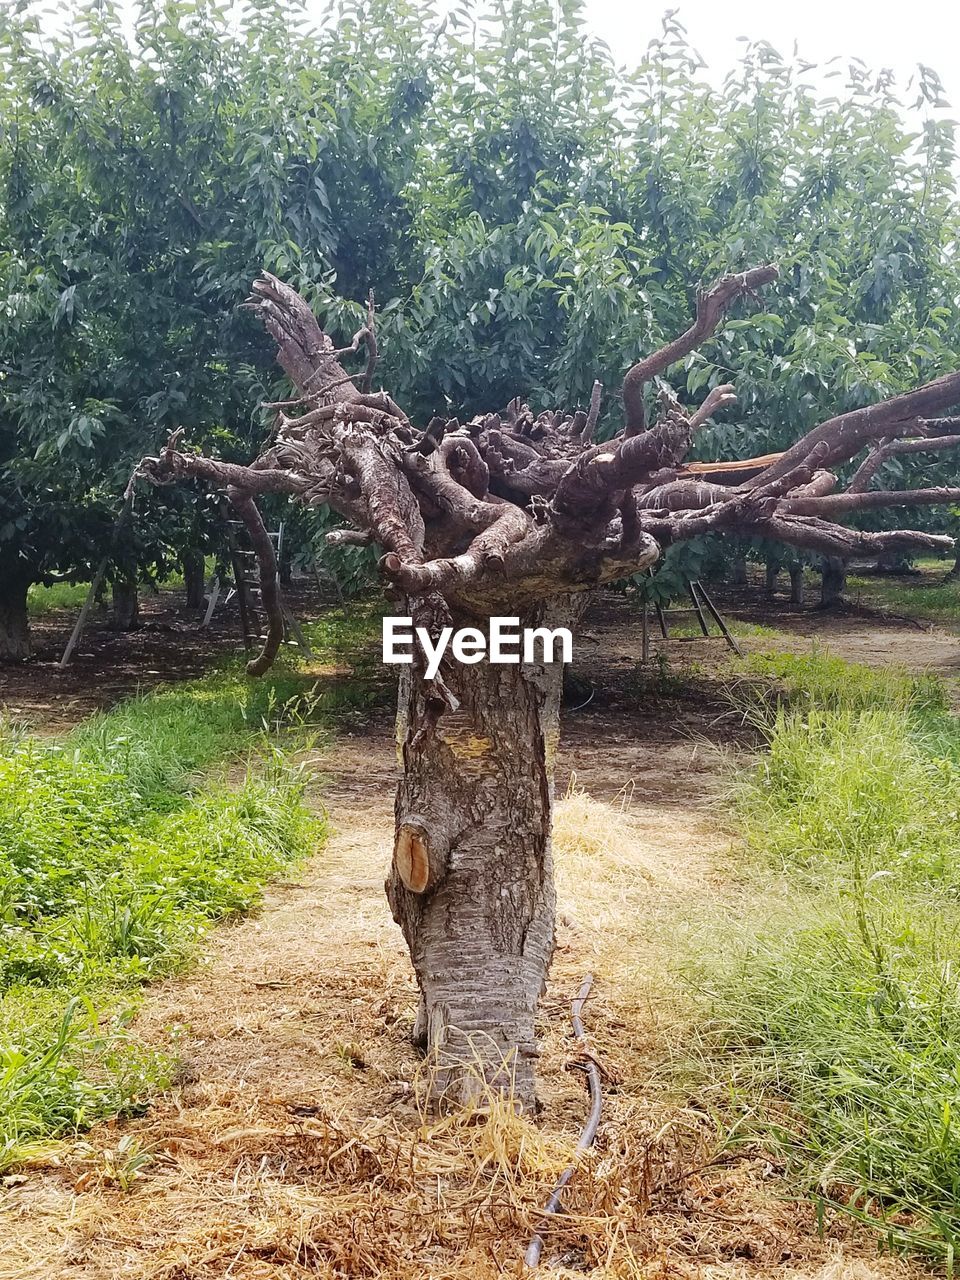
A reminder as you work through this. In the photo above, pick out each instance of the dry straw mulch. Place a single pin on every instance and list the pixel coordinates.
(294, 1147)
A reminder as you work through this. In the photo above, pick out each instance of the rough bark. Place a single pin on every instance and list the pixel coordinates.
(833, 581)
(126, 603)
(517, 511)
(771, 576)
(796, 584)
(473, 817)
(194, 577)
(15, 644)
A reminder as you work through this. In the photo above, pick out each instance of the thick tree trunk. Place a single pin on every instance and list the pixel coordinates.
(955, 571)
(796, 584)
(126, 604)
(834, 581)
(471, 883)
(14, 621)
(738, 572)
(772, 574)
(194, 577)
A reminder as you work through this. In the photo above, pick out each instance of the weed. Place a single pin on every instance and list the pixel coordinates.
(115, 855)
(830, 1025)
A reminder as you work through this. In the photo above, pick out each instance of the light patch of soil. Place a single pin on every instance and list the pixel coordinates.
(294, 1147)
(918, 647)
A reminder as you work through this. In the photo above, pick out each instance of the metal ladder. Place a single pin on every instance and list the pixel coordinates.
(698, 595)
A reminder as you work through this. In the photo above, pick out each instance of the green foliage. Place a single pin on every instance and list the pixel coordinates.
(115, 855)
(835, 1034)
(529, 218)
(831, 1028)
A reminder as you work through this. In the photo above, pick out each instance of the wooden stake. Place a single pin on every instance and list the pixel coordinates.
(81, 621)
(696, 604)
(661, 618)
(212, 602)
(98, 577)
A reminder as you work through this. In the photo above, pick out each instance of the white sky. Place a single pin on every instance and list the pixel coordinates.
(882, 34)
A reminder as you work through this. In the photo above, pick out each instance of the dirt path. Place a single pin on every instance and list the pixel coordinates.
(293, 1147)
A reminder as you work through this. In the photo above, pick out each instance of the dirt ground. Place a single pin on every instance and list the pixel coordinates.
(292, 1144)
(108, 665)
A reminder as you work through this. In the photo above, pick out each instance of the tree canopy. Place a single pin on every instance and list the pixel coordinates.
(529, 217)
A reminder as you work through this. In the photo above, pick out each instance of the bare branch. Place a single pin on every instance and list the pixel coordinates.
(262, 544)
(849, 432)
(719, 398)
(593, 416)
(711, 306)
(841, 503)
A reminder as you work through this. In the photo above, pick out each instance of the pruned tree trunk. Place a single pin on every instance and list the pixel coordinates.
(796, 584)
(518, 512)
(833, 581)
(126, 604)
(194, 577)
(471, 884)
(15, 645)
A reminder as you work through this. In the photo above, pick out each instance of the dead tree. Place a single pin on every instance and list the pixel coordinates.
(523, 514)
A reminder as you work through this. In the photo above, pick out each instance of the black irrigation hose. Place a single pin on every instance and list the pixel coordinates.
(589, 1131)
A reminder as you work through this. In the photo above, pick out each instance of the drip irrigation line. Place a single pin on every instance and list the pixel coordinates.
(589, 1131)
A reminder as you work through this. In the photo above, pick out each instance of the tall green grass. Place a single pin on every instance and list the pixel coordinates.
(830, 1024)
(42, 600)
(118, 847)
(861, 772)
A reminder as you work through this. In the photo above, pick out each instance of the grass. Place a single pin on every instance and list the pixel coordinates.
(932, 597)
(829, 1010)
(118, 848)
(61, 595)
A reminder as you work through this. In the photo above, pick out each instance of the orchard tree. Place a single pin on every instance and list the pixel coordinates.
(516, 513)
(529, 216)
(140, 173)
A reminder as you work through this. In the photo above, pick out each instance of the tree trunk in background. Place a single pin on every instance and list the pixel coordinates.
(796, 584)
(126, 604)
(194, 577)
(834, 581)
(955, 571)
(471, 883)
(738, 572)
(894, 562)
(15, 643)
(773, 573)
